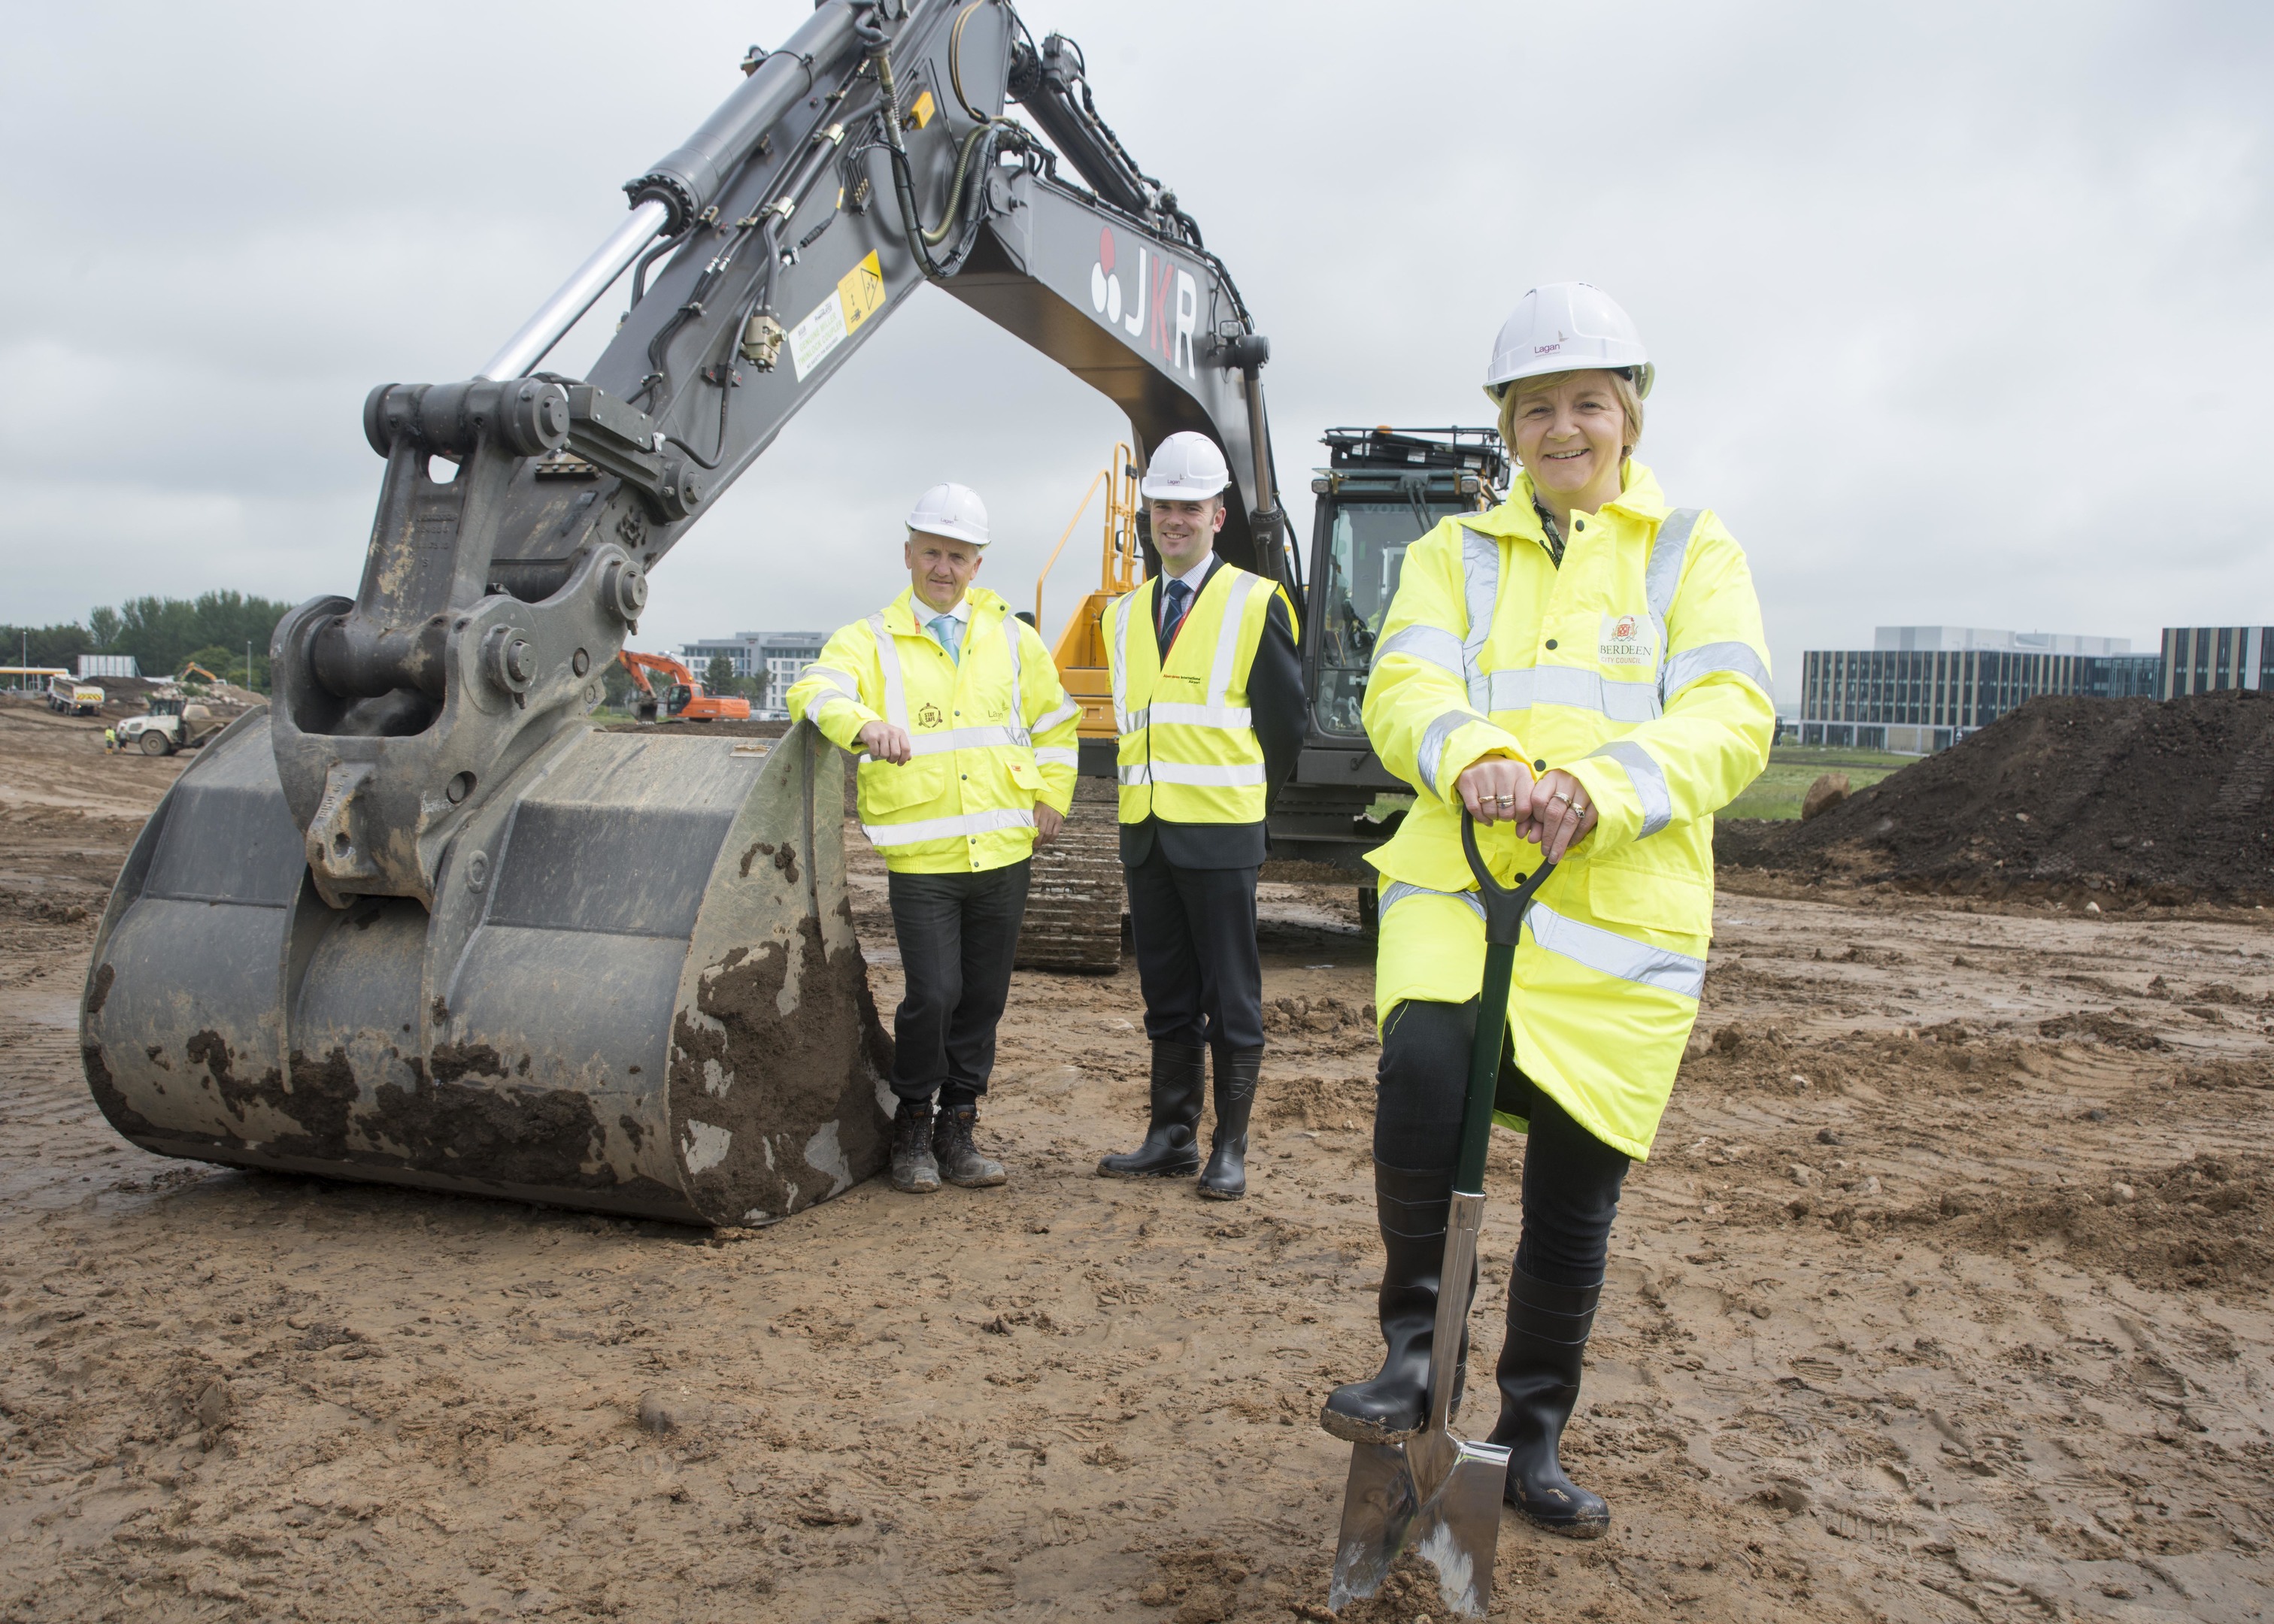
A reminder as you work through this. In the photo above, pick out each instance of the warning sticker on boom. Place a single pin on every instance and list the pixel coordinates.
(859, 295)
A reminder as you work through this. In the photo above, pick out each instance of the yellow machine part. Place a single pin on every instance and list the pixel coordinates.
(1080, 648)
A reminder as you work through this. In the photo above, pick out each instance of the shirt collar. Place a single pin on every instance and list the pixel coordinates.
(1198, 572)
(925, 615)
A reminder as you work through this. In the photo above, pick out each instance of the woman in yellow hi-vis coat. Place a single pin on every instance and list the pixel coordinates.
(1583, 669)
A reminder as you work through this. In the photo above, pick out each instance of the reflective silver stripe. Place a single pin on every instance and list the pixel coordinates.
(1432, 645)
(1480, 593)
(1613, 954)
(1239, 775)
(1227, 641)
(1199, 715)
(1122, 607)
(829, 702)
(1398, 891)
(1709, 658)
(1574, 686)
(1066, 712)
(948, 828)
(1433, 743)
(842, 681)
(1661, 577)
(1011, 624)
(948, 739)
(1648, 779)
(1592, 945)
(888, 659)
(1141, 772)
(1058, 755)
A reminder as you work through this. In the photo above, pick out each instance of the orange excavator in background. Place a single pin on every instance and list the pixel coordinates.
(686, 698)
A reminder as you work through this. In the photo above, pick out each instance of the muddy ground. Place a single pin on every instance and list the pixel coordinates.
(1946, 1297)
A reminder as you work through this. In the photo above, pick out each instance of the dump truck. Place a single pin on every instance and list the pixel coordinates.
(172, 723)
(68, 695)
(418, 921)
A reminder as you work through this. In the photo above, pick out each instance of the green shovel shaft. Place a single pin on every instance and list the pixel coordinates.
(1484, 1069)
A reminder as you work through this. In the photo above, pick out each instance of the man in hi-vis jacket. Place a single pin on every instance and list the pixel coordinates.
(1208, 700)
(968, 757)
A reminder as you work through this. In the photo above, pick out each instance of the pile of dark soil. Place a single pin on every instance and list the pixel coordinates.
(2154, 802)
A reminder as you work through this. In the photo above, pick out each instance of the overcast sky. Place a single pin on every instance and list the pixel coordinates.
(1963, 313)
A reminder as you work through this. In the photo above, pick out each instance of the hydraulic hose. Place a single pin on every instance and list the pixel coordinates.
(920, 241)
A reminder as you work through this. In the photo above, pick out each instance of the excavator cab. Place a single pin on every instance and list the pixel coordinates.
(1382, 489)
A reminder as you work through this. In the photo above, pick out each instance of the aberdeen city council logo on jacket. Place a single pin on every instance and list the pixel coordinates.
(1628, 640)
(1162, 308)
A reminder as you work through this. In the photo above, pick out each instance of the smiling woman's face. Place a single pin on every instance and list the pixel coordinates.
(1571, 432)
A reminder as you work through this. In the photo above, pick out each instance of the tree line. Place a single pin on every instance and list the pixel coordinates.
(163, 634)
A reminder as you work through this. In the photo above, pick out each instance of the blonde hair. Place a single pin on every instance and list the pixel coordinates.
(1622, 390)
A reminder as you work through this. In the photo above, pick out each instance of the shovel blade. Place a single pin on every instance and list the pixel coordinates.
(1457, 1529)
(1379, 1505)
(1455, 1526)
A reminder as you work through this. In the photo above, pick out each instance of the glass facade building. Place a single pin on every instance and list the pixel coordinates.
(2207, 659)
(1924, 688)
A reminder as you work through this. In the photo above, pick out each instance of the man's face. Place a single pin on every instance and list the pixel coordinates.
(1183, 532)
(940, 568)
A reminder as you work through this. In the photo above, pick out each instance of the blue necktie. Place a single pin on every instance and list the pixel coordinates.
(1179, 595)
(949, 631)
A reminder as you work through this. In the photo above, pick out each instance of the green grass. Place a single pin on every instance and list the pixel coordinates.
(1793, 767)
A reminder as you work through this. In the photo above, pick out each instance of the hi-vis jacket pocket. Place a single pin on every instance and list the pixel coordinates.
(887, 788)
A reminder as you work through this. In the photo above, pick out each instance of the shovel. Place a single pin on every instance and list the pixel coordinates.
(1437, 1492)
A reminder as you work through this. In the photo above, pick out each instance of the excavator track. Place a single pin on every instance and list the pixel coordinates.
(1075, 901)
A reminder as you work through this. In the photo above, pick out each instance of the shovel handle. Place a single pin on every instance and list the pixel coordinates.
(1505, 906)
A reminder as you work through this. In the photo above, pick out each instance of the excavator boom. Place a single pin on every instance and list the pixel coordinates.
(418, 921)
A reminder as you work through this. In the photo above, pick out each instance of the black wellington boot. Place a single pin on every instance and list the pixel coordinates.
(1411, 1207)
(960, 1160)
(1170, 1150)
(913, 1169)
(1539, 1376)
(1237, 1071)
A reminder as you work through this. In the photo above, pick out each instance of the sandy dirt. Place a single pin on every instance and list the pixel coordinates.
(1946, 1297)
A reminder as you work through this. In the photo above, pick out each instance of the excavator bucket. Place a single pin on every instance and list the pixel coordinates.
(637, 992)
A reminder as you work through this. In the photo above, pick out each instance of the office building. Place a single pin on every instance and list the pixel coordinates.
(1922, 688)
(2205, 659)
(780, 657)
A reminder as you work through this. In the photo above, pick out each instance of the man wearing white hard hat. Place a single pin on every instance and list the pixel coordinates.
(1581, 671)
(1208, 700)
(967, 754)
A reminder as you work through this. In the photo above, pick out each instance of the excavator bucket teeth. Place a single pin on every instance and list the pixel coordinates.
(638, 991)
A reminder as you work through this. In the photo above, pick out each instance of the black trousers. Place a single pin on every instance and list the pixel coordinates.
(1571, 1179)
(957, 934)
(1196, 954)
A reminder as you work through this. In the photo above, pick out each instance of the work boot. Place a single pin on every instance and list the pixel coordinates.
(1170, 1150)
(1236, 1069)
(958, 1158)
(914, 1170)
(1538, 1379)
(1411, 1206)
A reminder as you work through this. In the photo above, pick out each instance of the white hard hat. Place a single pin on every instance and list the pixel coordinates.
(1567, 327)
(954, 511)
(1185, 468)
